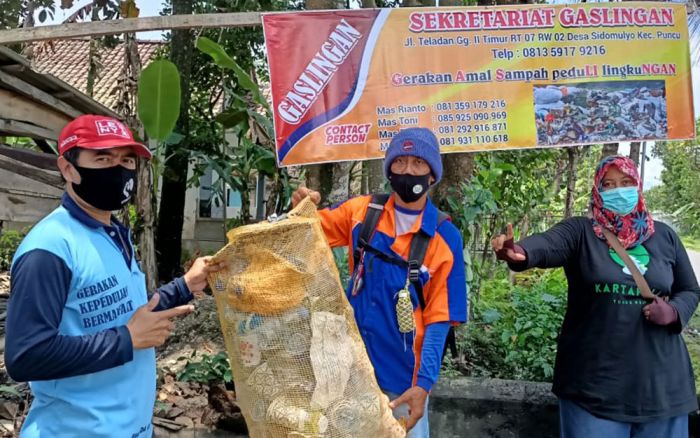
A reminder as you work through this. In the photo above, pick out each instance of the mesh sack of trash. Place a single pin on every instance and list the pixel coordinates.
(299, 365)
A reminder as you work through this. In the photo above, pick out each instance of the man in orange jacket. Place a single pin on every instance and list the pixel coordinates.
(406, 362)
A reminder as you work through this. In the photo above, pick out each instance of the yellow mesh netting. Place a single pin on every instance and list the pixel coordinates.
(299, 364)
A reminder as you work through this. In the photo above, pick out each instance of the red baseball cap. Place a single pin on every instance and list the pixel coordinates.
(98, 132)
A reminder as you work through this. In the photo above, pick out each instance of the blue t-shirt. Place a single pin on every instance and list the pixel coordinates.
(75, 285)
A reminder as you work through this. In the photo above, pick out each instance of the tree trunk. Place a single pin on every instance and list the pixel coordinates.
(572, 174)
(635, 150)
(375, 176)
(245, 204)
(93, 57)
(340, 183)
(555, 187)
(325, 4)
(145, 235)
(322, 177)
(372, 170)
(29, 16)
(172, 205)
(28, 21)
(145, 198)
(609, 149)
(457, 167)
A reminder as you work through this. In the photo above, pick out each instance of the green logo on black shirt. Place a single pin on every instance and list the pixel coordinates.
(622, 293)
(638, 254)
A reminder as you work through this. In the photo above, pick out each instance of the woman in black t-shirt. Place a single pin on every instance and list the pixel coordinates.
(622, 367)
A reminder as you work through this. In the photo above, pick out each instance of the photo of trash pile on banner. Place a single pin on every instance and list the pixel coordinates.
(299, 364)
(600, 112)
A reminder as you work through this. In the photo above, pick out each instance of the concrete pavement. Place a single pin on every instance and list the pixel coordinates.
(695, 261)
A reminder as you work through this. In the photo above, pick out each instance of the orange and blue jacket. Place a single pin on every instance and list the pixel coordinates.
(396, 356)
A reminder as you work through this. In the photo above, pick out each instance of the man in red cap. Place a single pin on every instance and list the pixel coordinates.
(80, 326)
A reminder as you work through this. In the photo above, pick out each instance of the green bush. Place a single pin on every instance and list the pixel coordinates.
(530, 335)
(9, 241)
(514, 330)
(210, 369)
(340, 255)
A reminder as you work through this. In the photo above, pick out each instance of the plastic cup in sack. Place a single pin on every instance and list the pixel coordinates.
(354, 415)
(283, 413)
(248, 347)
(296, 323)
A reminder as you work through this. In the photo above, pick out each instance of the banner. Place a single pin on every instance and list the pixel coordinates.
(482, 78)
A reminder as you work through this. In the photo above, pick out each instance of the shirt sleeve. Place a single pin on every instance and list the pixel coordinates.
(552, 249)
(176, 293)
(34, 349)
(337, 221)
(446, 291)
(685, 291)
(431, 354)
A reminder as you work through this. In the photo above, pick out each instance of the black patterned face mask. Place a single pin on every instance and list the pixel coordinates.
(106, 189)
(409, 187)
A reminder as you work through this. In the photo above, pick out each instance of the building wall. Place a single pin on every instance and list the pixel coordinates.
(23, 201)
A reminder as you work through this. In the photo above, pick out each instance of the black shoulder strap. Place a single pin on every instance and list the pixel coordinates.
(416, 255)
(369, 223)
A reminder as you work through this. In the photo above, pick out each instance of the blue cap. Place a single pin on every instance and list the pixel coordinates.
(416, 142)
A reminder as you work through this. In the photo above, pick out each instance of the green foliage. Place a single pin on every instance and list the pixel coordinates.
(523, 188)
(692, 243)
(340, 255)
(221, 58)
(514, 329)
(13, 12)
(209, 83)
(530, 333)
(677, 196)
(159, 98)
(9, 241)
(249, 119)
(691, 335)
(479, 201)
(10, 390)
(210, 369)
(585, 175)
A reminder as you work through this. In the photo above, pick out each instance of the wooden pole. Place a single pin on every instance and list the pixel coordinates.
(126, 25)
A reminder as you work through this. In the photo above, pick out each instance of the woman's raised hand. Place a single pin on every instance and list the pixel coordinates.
(506, 249)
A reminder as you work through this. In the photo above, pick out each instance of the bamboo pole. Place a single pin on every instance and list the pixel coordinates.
(126, 25)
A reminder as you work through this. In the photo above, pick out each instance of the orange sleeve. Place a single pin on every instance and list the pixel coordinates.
(436, 303)
(446, 291)
(338, 221)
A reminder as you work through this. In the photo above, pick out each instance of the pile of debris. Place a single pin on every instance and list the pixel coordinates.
(574, 115)
(4, 284)
(190, 405)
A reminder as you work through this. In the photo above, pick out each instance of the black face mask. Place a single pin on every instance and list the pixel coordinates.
(108, 188)
(409, 187)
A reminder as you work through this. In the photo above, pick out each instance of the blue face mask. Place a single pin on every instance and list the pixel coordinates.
(621, 201)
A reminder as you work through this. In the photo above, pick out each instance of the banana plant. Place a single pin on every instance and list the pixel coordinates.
(249, 117)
